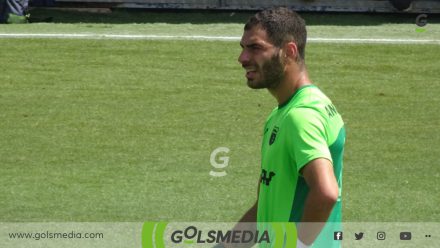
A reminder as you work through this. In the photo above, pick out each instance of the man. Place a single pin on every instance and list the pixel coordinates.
(303, 140)
(13, 11)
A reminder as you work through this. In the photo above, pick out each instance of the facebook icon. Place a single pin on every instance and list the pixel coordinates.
(337, 236)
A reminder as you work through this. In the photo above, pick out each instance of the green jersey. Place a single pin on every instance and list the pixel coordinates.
(304, 128)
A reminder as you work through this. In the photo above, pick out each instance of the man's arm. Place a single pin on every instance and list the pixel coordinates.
(250, 215)
(246, 222)
(322, 196)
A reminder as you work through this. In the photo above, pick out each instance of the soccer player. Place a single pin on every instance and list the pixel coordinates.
(303, 138)
(13, 11)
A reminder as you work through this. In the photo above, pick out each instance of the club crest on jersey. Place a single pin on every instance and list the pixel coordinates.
(273, 136)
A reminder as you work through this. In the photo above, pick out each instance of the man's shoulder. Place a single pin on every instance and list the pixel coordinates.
(310, 96)
(311, 102)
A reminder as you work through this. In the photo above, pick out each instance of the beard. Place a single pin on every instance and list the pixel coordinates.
(271, 73)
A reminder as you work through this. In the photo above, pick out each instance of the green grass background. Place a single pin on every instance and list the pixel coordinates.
(226, 23)
(122, 130)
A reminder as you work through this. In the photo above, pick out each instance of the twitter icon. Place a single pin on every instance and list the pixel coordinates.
(359, 236)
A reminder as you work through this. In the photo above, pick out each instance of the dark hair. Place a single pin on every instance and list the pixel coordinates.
(282, 25)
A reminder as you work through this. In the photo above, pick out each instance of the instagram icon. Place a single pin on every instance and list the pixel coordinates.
(381, 236)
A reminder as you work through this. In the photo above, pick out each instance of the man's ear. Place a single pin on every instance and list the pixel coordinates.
(291, 51)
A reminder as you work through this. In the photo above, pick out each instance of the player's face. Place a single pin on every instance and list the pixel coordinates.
(261, 60)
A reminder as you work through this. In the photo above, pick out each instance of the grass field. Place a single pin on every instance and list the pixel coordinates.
(122, 130)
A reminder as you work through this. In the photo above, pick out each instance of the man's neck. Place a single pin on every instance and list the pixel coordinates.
(291, 83)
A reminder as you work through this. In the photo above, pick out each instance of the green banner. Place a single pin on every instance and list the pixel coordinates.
(166, 234)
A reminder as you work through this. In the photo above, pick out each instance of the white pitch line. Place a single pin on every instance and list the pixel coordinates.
(381, 40)
(210, 38)
(124, 36)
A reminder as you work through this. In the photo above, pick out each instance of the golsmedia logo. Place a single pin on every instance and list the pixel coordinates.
(191, 235)
(163, 234)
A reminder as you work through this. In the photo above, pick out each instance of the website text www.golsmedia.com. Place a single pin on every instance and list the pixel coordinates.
(55, 235)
